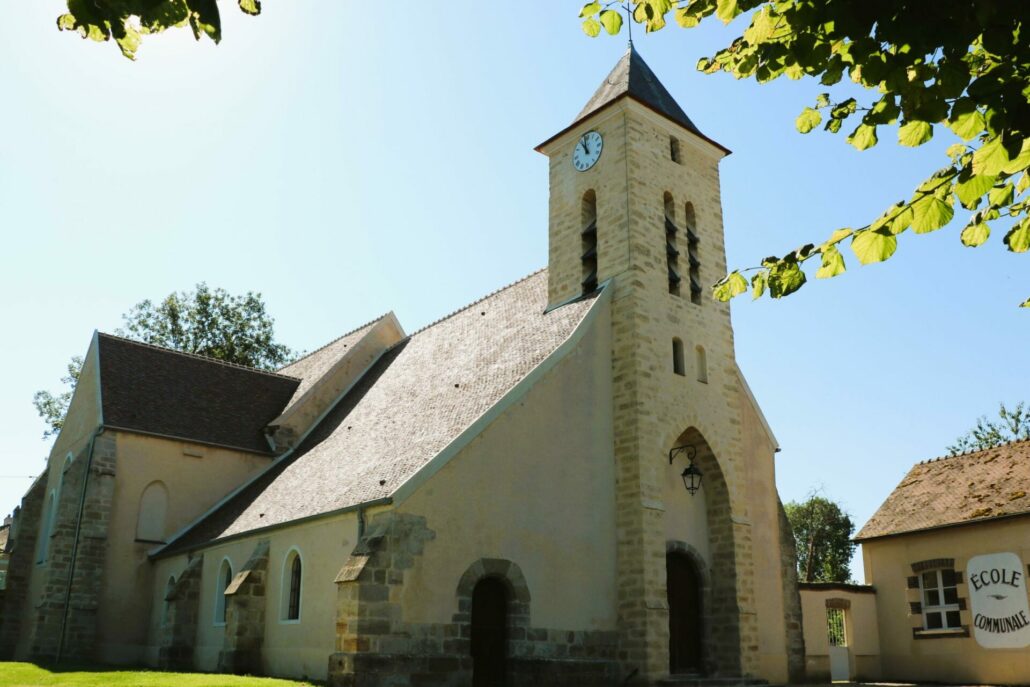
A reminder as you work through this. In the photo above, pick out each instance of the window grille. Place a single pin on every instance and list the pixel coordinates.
(588, 237)
(835, 627)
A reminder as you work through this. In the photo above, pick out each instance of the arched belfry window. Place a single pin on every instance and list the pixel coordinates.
(292, 584)
(222, 582)
(690, 228)
(153, 506)
(589, 241)
(672, 254)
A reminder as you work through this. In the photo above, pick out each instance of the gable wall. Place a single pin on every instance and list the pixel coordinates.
(535, 488)
(196, 477)
(888, 564)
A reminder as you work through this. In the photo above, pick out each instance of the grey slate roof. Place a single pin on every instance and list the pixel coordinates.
(158, 391)
(418, 398)
(956, 490)
(632, 77)
(314, 365)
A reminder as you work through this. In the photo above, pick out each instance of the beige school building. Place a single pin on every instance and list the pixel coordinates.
(565, 482)
(946, 560)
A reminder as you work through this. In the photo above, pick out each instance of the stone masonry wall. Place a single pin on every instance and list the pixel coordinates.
(179, 628)
(245, 604)
(376, 647)
(791, 600)
(653, 406)
(24, 537)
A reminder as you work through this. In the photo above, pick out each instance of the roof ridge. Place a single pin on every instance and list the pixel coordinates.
(971, 452)
(197, 356)
(475, 302)
(330, 343)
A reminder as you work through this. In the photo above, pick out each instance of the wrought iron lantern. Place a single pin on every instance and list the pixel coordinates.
(691, 474)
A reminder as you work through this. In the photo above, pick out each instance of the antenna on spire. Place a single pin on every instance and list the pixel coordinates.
(629, 22)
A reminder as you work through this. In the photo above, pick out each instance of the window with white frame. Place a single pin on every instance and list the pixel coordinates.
(938, 591)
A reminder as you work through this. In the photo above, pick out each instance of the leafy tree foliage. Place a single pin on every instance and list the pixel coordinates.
(127, 21)
(822, 532)
(205, 321)
(1012, 425)
(949, 64)
(53, 407)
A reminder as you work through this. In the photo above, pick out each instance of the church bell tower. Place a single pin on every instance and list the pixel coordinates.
(635, 203)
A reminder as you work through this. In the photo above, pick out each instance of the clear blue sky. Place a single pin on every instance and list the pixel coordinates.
(345, 163)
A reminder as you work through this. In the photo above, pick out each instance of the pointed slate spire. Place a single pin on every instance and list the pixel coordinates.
(633, 78)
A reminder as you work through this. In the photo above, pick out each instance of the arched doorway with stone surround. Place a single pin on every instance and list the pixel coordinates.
(702, 552)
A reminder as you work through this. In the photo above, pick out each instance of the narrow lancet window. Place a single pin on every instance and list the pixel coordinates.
(690, 229)
(672, 254)
(674, 149)
(588, 237)
(677, 357)
(702, 364)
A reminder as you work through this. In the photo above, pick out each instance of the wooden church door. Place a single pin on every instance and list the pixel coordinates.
(685, 624)
(489, 641)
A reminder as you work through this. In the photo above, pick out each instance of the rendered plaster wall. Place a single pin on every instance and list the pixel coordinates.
(860, 631)
(535, 488)
(888, 565)
(296, 649)
(195, 477)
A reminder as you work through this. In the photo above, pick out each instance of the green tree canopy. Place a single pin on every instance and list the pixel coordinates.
(205, 321)
(947, 64)
(822, 533)
(1012, 425)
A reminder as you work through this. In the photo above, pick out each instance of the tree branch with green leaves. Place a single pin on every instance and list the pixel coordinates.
(127, 21)
(949, 64)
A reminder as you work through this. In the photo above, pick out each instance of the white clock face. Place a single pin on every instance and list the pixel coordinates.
(587, 151)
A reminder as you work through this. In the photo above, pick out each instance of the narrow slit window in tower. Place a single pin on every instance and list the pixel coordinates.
(702, 364)
(672, 254)
(690, 229)
(677, 357)
(674, 150)
(588, 237)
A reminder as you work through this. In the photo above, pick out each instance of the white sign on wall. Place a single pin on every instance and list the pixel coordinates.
(997, 592)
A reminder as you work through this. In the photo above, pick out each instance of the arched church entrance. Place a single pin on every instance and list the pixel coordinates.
(489, 640)
(686, 623)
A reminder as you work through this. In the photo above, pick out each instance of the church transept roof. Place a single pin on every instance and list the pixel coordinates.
(417, 399)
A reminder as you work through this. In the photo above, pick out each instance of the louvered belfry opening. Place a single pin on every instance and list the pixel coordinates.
(672, 252)
(690, 229)
(589, 241)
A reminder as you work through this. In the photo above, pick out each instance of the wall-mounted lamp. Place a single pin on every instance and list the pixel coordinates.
(691, 474)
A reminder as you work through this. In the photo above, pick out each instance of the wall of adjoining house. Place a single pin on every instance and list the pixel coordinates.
(910, 656)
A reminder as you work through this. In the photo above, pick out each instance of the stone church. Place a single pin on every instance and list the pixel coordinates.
(566, 482)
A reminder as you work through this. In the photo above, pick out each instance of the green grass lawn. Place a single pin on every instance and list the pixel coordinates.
(31, 675)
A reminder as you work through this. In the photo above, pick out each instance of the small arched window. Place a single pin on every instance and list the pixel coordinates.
(222, 583)
(701, 364)
(169, 588)
(153, 505)
(588, 237)
(293, 574)
(677, 357)
(674, 150)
